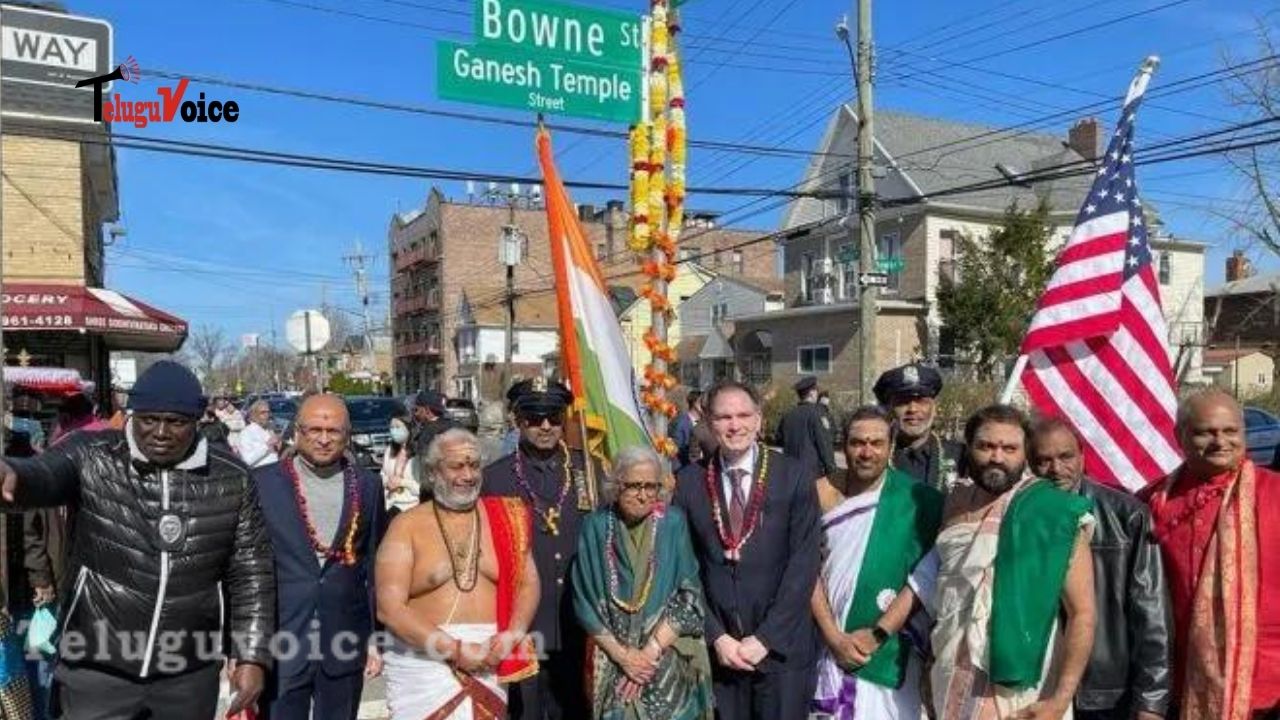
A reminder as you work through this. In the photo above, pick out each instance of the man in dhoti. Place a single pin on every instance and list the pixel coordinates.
(1013, 557)
(457, 588)
(878, 525)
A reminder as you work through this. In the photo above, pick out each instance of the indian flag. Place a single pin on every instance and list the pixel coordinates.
(593, 354)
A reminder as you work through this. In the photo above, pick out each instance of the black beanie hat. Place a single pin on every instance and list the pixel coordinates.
(168, 387)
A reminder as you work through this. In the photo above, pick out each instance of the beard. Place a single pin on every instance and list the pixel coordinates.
(997, 478)
(455, 500)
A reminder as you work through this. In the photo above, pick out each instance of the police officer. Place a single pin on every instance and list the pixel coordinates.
(918, 450)
(429, 420)
(554, 481)
(805, 432)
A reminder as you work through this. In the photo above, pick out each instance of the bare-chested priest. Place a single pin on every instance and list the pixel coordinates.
(457, 588)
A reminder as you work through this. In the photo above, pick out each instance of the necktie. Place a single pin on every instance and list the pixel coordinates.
(737, 501)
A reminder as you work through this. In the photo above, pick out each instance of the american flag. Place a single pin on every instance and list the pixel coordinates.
(1097, 348)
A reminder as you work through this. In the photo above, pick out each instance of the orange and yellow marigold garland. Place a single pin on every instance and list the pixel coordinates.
(658, 156)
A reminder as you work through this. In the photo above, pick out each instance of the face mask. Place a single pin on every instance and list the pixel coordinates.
(399, 434)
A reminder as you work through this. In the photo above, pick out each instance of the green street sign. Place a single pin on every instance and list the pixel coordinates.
(848, 255)
(512, 77)
(565, 33)
(890, 264)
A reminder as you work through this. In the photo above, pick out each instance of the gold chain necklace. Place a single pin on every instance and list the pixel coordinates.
(467, 555)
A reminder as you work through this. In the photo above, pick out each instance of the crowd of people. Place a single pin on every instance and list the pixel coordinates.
(988, 578)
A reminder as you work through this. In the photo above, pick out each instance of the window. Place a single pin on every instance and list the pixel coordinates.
(848, 274)
(814, 359)
(690, 252)
(738, 265)
(716, 258)
(844, 203)
(888, 249)
(601, 251)
(947, 265)
(806, 277)
(719, 313)
(1165, 268)
(758, 370)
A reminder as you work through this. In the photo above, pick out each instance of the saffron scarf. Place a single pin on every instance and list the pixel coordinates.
(511, 526)
(1222, 635)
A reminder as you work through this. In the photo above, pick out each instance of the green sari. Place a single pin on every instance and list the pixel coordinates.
(681, 688)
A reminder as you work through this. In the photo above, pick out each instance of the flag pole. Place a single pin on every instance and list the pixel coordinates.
(1136, 89)
(587, 457)
(1011, 385)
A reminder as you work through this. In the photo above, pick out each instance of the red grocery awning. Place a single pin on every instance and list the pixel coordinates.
(122, 322)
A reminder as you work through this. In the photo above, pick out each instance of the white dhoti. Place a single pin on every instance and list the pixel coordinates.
(419, 686)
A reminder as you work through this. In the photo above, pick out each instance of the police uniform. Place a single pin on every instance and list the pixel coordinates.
(422, 434)
(935, 462)
(556, 691)
(805, 435)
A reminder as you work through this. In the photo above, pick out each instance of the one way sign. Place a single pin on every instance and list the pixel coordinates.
(873, 279)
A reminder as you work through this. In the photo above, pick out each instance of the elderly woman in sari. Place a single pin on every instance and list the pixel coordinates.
(637, 594)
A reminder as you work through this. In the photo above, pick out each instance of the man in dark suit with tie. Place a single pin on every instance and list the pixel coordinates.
(326, 516)
(753, 515)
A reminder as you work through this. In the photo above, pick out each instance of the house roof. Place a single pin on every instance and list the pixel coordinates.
(929, 155)
(833, 309)
(689, 348)
(1255, 285)
(938, 155)
(1223, 356)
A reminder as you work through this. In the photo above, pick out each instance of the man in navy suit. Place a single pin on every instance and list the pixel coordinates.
(753, 515)
(326, 516)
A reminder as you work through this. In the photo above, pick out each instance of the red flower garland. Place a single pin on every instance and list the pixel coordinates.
(345, 554)
(733, 545)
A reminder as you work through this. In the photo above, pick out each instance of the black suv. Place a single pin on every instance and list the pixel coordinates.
(371, 426)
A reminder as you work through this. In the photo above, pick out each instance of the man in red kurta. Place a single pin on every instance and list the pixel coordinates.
(1223, 565)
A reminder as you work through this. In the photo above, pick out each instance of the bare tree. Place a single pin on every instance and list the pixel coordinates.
(1254, 89)
(208, 346)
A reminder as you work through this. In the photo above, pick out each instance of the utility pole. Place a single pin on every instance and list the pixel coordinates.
(357, 263)
(510, 254)
(868, 293)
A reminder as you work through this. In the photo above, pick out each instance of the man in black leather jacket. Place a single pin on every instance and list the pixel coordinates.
(168, 556)
(1130, 669)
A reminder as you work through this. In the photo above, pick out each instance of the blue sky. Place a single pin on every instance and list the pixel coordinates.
(242, 246)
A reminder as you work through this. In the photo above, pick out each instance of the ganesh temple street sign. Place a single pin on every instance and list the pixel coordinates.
(547, 57)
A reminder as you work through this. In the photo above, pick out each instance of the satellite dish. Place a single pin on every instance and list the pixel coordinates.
(307, 331)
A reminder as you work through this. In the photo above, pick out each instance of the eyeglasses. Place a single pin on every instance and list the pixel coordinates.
(315, 433)
(650, 488)
(555, 419)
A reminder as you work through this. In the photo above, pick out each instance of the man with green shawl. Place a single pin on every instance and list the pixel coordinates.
(637, 594)
(1013, 557)
(878, 525)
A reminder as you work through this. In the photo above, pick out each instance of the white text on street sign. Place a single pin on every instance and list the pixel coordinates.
(560, 31)
(496, 75)
(873, 279)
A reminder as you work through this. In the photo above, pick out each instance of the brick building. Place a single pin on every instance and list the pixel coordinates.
(445, 271)
(60, 192)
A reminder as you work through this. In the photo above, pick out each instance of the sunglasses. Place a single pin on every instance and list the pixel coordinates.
(556, 419)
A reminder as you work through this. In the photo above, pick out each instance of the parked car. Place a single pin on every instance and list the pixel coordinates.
(463, 412)
(371, 426)
(1262, 436)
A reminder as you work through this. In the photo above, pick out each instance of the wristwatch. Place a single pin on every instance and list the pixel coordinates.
(879, 633)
